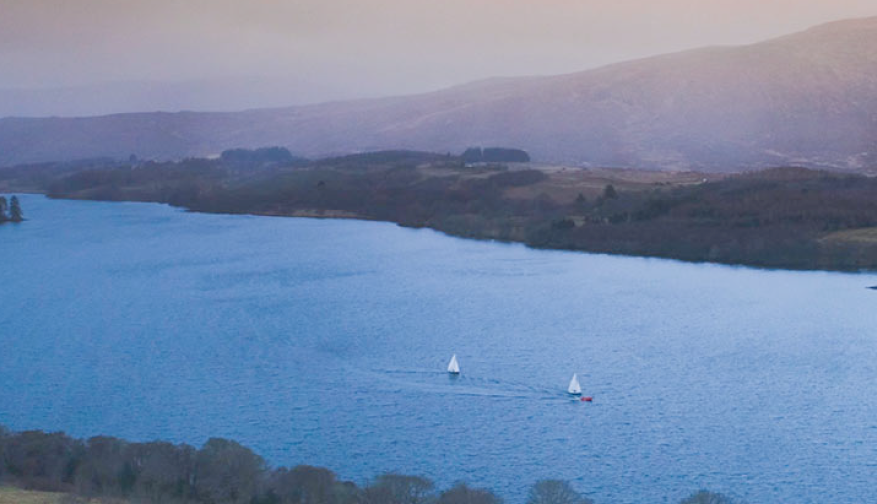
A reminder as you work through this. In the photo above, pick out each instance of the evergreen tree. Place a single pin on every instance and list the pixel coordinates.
(3, 206)
(15, 214)
(610, 192)
(473, 155)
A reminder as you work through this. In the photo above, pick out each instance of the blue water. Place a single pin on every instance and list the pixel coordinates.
(325, 342)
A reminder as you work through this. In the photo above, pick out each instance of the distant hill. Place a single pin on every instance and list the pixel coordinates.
(807, 99)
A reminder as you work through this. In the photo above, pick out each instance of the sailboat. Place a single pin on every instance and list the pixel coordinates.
(574, 387)
(454, 366)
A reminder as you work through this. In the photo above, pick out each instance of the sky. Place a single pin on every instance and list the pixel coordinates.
(227, 54)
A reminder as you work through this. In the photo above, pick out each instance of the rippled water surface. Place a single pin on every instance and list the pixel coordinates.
(325, 342)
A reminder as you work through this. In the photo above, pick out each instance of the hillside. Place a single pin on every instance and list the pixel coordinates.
(808, 99)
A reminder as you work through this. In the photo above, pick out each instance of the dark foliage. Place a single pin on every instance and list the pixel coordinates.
(261, 156)
(398, 489)
(494, 155)
(385, 159)
(563, 224)
(41, 461)
(777, 218)
(222, 471)
(10, 211)
(15, 213)
(309, 485)
(463, 494)
(555, 492)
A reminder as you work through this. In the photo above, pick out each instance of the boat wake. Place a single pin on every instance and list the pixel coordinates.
(432, 381)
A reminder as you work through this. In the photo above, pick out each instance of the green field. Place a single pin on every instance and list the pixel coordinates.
(16, 496)
(10, 495)
(864, 236)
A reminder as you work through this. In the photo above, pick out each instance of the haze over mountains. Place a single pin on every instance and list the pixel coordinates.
(807, 99)
(215, 94)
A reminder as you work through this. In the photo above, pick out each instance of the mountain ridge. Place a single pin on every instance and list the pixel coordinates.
(808, 98)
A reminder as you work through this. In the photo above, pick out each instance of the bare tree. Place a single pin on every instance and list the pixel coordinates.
(555, 492)
(308, 485)
(225, 471)
(399, 489)
(463, 494)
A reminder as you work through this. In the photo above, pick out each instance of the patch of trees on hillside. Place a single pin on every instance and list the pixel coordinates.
(389, 159)
(262, 156)
(775, 218)
(494, 155)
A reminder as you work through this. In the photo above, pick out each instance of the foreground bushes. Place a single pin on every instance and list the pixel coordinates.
(224, 472)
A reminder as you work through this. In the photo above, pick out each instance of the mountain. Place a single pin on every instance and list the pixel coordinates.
(228, 94)
(806, 99)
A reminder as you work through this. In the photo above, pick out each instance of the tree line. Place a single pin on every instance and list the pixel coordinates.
(10, 211)
(225, 472)
(783, 217)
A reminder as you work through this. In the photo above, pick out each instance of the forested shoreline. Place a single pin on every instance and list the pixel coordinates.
(792, 218)
(225, 472)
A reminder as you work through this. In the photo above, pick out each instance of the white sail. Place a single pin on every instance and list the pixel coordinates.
(574, 387)
(454, 366)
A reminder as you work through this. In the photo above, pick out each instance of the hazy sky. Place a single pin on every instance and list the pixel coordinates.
(320, 49)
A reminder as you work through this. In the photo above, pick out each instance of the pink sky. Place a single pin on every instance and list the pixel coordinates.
(348, 48)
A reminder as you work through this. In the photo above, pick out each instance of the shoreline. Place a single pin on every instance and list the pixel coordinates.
(782, 218)
(340, 215)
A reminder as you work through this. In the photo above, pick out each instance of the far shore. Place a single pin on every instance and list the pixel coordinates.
(783, 218)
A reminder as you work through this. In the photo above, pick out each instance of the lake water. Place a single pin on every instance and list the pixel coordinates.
(325, 342)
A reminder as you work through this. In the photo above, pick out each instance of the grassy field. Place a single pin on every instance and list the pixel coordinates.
(864, 236)
(10, 495)
(564, 184)
(16, 496)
